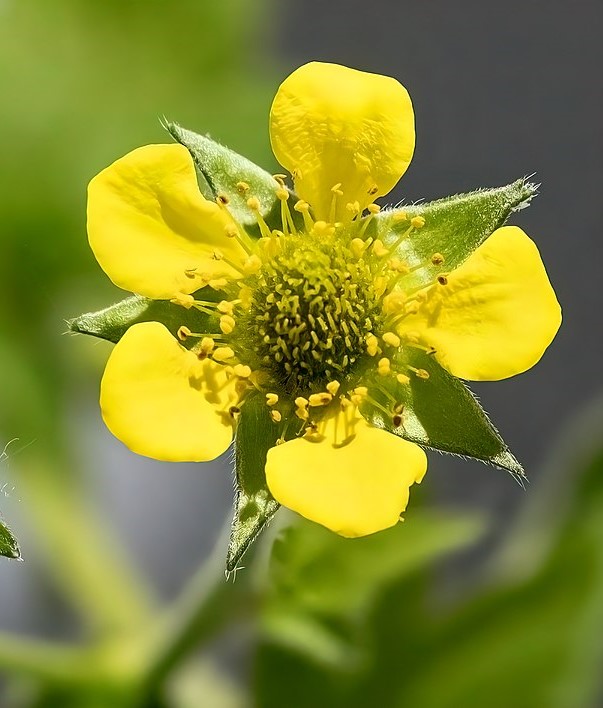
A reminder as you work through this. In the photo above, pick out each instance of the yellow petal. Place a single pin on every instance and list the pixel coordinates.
(162, 402)
(354, 479)
(148, 224)
(497, 314)
(332, 125)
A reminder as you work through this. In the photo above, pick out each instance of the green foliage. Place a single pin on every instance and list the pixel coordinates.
(440, 412)
(528, 634)
(221, 170)
(112, 322)
(454, 226)
(9, 548)
(254, 505)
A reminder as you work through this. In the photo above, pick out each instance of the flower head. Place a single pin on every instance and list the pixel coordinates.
(326, 331)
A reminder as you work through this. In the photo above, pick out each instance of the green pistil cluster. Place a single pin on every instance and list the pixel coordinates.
(313, 307)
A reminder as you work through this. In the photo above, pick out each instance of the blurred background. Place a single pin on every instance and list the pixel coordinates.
(489, 595)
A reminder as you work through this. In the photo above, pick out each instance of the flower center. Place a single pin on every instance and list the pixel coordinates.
(312, 309)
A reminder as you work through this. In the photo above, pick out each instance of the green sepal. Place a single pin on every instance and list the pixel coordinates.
(454, 227)
(113, 322)
(9, 547)
(221, 169)
(441, 413)
(254, 505)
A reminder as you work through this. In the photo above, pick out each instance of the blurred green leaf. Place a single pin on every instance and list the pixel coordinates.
(440, 412)
(222, 169)
(454, 227)
(323, 586)
(9, 548)
(254, 505)
(112, 322)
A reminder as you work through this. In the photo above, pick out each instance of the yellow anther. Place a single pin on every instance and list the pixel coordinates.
(227, 324)
(217, 283)
(231, 230)
(345, 403)
(246, 296)
(183, 333)
(280, 178)
(357, 246)
(276, 416)
(252, 264)
(282, 193)
(225, 307)
(383, 367)
(399, 216)
(422, 374)
(361, 391)
(320, 399)
(206, 347)
(333, 387)
(183, 300)
(242, 371)
(374, 208)
(392, 339)
(223, 354)
(372, 345)
(373, 190)
(243, 187)
(417, 221)
(353, 208)
(442, 279)
(322, 228)
(301, 205)
(301, 402)
(394, 302)
(271, 399)
(437, 259)
(222, 200)
(412, 337)
(403, 379)
(379, 249)
(302, 413)
(217, 255)
(234, 411)
(336, 189)
(253, 203)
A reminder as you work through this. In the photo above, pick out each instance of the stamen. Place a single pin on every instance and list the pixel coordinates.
(320, 399)
(336, 190)
(243, 187)
(333, 387)
(254, 204)
(418, 222)
(225, 307)
(206, 347)
(271, 399)
(223, 354)
(183, 300)
(442, 279)
(392, 339)
(402, 378)
(286, 219)
(304, 208)
(242, 371)
(372, 345)
(437, 259)
(383, 367)
(227, 324)
(183, 333)
(252, 265)
(276, 416)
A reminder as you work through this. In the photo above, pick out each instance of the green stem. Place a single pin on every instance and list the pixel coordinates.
(87, 562)
(209, 601)
(37, 659)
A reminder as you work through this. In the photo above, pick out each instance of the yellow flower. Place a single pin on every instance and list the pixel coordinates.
(317, 316)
